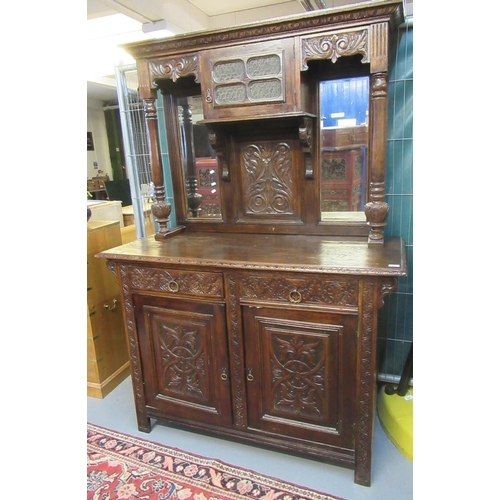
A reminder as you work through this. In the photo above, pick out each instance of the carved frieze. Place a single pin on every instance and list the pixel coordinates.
(173, 281)
(313, 290)
(174, 68)
(334, 45)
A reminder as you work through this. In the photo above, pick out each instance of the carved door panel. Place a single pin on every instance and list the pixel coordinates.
(269, 177)
(183, 346)
(301, 374)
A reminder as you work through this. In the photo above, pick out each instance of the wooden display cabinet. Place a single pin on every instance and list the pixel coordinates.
(261, 324)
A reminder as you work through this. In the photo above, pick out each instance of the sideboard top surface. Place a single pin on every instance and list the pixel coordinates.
(298, 253)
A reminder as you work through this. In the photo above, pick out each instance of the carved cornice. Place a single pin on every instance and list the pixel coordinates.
(351, 16)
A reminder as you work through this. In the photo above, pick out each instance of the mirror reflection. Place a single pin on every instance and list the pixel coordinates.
(199, 161)
(343, 147)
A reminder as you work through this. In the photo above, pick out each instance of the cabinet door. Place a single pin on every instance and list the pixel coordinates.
(260, 75)
(301, 374)
(183, 350)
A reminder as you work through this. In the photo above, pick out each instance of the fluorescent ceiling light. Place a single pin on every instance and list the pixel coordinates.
(156, 29)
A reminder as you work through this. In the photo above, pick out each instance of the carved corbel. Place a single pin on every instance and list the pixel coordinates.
(307, 144)
(388, 286)
(218, 143)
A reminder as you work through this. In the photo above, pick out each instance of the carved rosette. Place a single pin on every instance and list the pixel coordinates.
(335, 45)
(174, 68)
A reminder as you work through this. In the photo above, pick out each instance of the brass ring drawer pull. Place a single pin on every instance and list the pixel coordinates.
(113, 307)
(224, 374)
(250, 375)
(295, 296)
(173, 287)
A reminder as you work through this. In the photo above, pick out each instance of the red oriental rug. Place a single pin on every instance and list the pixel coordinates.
(120, 466)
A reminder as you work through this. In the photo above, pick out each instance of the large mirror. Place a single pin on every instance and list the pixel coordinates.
(199, 161)
(343, 148)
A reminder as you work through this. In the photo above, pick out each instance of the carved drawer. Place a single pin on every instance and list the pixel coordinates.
(300, 289)
(176, 281)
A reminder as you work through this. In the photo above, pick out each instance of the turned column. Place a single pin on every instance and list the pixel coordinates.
(376, 210)
(160, 209)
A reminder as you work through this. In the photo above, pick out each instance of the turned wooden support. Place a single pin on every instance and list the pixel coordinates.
(160, 209)
(376, 210)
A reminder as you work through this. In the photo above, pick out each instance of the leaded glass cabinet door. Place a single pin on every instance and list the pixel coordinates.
(259, 75)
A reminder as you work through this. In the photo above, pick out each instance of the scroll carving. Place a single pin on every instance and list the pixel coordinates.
(298, 376)
(365, 387)
(236, 350)
(143, 420)
(388, 286)
(183, 359)
(335, 45)
(267, 178)
(313, 290)
(174, 68)
(188, 282)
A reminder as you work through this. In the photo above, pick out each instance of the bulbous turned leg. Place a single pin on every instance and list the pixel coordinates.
(161, 210)
(376, 213)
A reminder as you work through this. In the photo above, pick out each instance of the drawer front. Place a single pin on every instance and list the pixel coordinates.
(303, 289)
(177, 281)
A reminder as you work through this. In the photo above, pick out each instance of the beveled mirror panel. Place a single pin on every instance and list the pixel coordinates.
(343, 148)
(199, 161)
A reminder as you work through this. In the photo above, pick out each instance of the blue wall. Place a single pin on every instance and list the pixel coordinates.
(347, 96)
(396, 317)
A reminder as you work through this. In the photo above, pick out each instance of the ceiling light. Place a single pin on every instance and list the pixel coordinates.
(156, 29)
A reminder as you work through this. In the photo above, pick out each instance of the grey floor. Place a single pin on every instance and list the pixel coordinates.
(392, 473)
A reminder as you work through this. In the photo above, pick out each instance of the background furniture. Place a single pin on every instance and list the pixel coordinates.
(261, 325)
(119, 190)
(107, 352)
(106, 210)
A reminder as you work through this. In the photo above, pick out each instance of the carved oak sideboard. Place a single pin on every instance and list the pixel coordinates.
(254, 317)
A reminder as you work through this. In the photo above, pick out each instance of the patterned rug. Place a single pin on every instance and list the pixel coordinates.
(120, 466)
